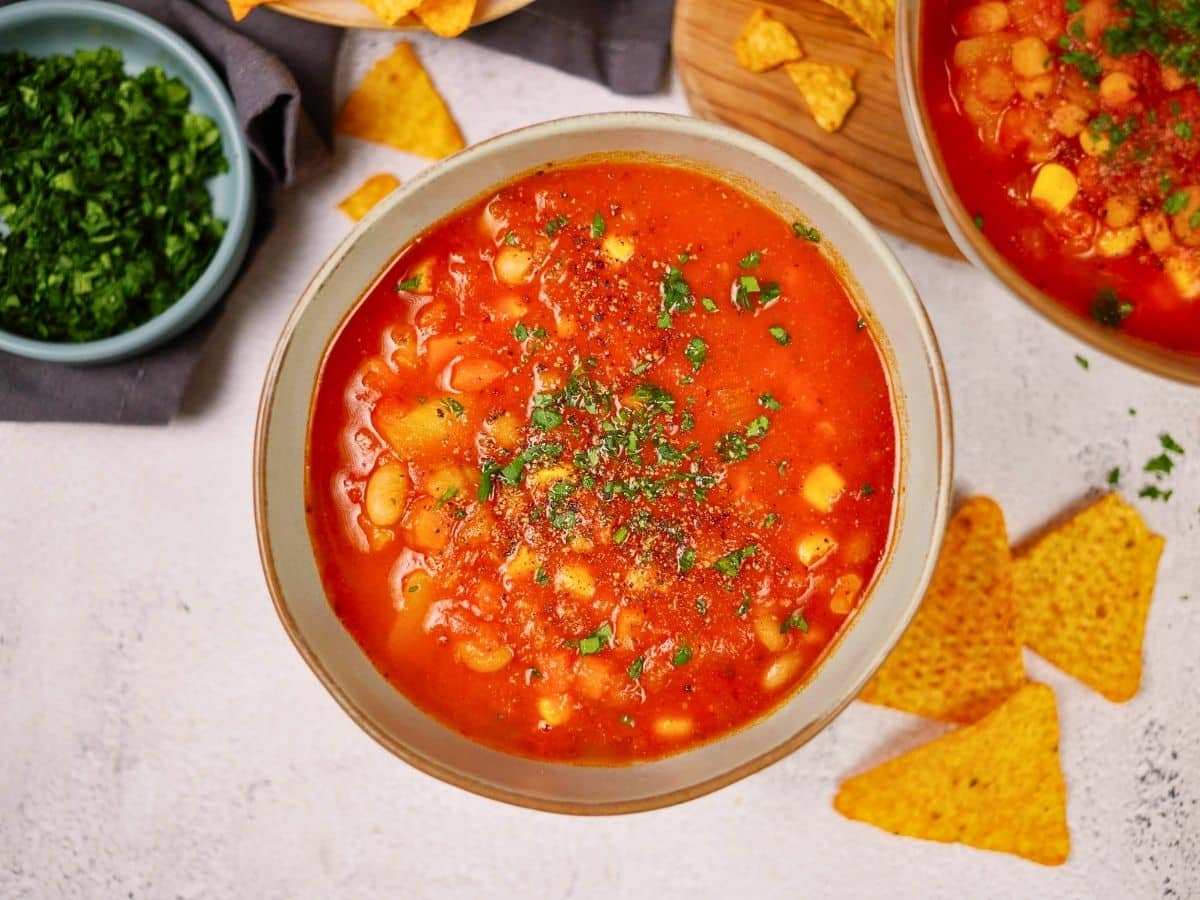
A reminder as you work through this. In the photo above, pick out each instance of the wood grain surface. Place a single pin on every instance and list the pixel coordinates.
(870, 159)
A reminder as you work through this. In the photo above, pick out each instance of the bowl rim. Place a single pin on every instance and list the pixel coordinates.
(496, 9)
(943, 427)
(1148, 357)
(221, 270)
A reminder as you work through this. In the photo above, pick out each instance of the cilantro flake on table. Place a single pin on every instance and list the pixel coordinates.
(107, 220)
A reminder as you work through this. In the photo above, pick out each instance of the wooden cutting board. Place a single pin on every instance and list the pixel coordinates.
(869, 159)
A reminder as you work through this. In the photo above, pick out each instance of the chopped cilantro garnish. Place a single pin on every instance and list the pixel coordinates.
(447, 495)
(771, 519)
(520, 331)
(540, 576)
(1161, 465)
(1082, 360)
(732, 447)
(686, 422)
(750, 260)
(780, 334)
(795, 620)
(978, 220)
(758, 426)
(770, 291)
(806, 231)
(489, 469)
(510, 238)
(1184, 130)
(731, 563)
(454, 407)
(682, 656)
(701, 606)
(1175, 202)
(545, 419)
(709, 304)
(620, 535)
(410, 284)
(687, 559)
(1114, 475)
(1151, 492)
(697, 352)
(598, 226)
(766, 401)
(642, 367)
(1169, 443)
(635, 668)
(596, 641)
(866, 490)
(744, 607)
(555, 225)
(1168, 31)
(749, 284)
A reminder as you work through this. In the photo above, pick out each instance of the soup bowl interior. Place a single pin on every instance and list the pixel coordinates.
(922, 481)
(977, 248)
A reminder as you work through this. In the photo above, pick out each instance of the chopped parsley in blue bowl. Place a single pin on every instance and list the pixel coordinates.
(126, 193)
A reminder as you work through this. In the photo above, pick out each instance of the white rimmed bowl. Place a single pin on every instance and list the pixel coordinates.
(923, 478)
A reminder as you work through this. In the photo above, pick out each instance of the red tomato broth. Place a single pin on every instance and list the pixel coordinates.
(993, 153)
(562, 688)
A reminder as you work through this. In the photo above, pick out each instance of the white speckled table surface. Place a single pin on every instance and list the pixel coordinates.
(161, 738)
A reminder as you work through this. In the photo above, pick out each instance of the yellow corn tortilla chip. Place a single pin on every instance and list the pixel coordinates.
(397, 104)
(877, 18)
(239, 9)
(1082, 593)
(961, 656)
(996, 785)
(368, 194)
(828, 90)
(390, 12)
(765, 43)
(446, 18)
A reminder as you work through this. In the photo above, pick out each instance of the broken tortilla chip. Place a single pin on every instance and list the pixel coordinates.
(446, 18)
(397, 104)
(368, 194)
(877, 18)
(828, 90)
(961, 656)
(765, 43)
(1082, 592)
(239, 9)
(996, 785)
(390, 12)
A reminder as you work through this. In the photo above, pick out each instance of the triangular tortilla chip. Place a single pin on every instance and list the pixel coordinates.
(765, 43)
(446, 18)
(996, 785)
(961, 656)
(390, 11)
(368, 194)
(239, 9)
(828, 90)
(397, 104)
(875, 17)
(1082, 593)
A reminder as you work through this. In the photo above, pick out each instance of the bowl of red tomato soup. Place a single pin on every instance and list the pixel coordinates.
(1060, 140)
(603, 463)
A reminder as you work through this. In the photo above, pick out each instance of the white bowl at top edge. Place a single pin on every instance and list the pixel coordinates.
(879, 285)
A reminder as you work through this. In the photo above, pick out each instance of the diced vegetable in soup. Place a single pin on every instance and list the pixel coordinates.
(1071, 132)
(603, 464)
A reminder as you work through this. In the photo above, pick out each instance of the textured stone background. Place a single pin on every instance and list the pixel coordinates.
(160, 738)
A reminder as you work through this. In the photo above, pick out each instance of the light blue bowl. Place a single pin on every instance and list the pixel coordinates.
(45, 27)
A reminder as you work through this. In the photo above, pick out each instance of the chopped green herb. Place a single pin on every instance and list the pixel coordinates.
(687, 422)
(702, 606)
(1109, 309)
(744, 607)
(732, 447)
(806, 231)
(978, 220)
(447, 495)
(1175, 202)
(696, 352)
(1082, 360)
(795, 620)
(866, 490)
(555, 225)
(642, 367)
(545, 419)
(750, 260)
(596, 641)
(682, 656)
(1114, 475)
(410, 284)
(1184, 130)
(770, 520)
(758, 426)
(510, 238)
(540, 576)
(620, 535)
(1151, 492)
(770, 291)
(635, 668)
(749, 284)
(520, 331)
(709, 304)
(780, 334)
(687, 559)
(1161, 465)
(489, 469)
(731, 563)
(1169, 443)
(766, 401)
(598, 225)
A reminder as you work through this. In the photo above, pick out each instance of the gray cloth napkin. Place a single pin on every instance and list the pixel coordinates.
(279, 71)
(280, 74)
